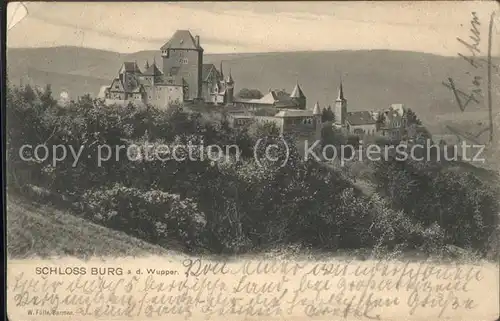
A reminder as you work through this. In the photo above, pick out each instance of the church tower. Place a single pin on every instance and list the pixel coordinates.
(229, 88)
(317, 121)
(340, 107)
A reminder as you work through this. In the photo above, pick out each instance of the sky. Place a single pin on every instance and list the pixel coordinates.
(237, 27)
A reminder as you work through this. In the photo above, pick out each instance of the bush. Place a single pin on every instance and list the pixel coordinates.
(149, 214)
(239, 204)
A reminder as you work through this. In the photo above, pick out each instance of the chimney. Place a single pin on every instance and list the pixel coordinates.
(197, 41)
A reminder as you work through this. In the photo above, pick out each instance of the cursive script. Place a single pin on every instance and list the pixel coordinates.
(475, 93)
(270, 289)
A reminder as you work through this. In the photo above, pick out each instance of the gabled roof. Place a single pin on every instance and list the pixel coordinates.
(182, 39)
(152, 71)
(118, 82)
(360, 118)
(207, 70)
(130, 66)
(297, 92)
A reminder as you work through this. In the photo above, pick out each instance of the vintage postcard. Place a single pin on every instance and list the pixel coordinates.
(253, 161)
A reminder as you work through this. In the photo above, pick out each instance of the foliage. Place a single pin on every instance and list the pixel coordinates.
(157, 216)
(250, 93)
(454, 205)
(327, 115)
(412, 118)
(236, 202)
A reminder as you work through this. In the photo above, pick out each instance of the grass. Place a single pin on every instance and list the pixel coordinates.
(35, 230)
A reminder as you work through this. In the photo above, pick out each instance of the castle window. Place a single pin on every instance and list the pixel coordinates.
(183, 61)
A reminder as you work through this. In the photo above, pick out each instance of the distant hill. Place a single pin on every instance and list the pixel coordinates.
(372, 79)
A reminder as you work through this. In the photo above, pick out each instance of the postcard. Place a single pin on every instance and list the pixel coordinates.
(253, 160)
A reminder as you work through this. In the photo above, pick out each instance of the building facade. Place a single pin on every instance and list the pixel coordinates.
(391, 122)
(274, 101)
(182, 78)
(183, 60)
(141, 88)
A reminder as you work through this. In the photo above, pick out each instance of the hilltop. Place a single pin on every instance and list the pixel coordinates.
(372, 79)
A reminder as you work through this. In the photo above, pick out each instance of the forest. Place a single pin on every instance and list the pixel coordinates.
(241, 205)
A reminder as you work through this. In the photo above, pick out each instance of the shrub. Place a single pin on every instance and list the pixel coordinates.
(149, 214)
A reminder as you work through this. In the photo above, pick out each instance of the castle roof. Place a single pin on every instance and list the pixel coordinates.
(297, 92)
(294, 113)
(230, 78)
(182, 39)
(316, 109)
(130, 66)
(152, 71)
(206, 70)
(360, 118)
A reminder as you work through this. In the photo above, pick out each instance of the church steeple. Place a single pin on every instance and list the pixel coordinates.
(341, 106)
(146, 66)
(221, 71)
(340, 96)
(230, 78)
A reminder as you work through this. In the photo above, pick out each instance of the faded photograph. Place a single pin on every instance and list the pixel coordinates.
(253, 160)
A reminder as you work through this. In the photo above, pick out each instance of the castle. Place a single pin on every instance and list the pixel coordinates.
(183, 78)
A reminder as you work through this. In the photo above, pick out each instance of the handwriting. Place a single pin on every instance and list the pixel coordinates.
(273, 288)
(462, 98)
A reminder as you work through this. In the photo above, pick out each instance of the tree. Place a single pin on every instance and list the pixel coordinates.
(412, 118)
(380, 120)
(250, 93)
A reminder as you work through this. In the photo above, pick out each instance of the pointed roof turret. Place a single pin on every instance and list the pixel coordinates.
(146, 65)
(221, 72)
(297, 92)
(316, 109)
(340, 96)
(230, 78)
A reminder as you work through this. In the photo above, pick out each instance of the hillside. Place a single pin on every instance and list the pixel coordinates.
(372, 79)
(42, 231)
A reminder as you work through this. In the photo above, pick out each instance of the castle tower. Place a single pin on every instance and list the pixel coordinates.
(340, 107)
(298, 97)
(183, 59)
(229, 88)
